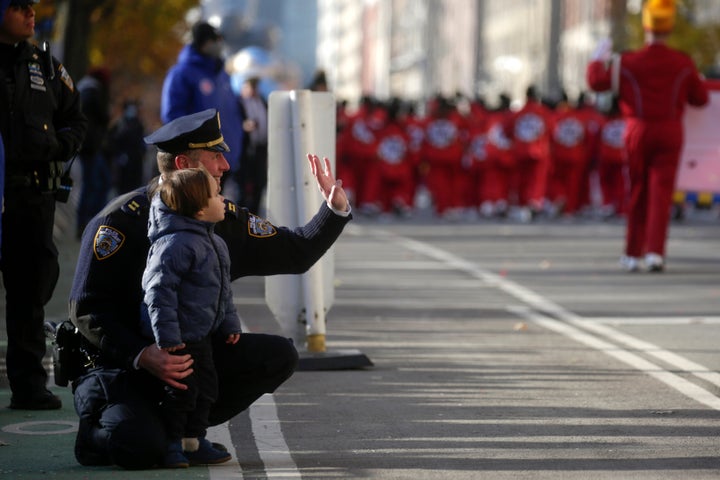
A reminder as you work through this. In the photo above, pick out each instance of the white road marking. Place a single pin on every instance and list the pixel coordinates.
(270, 441)
(229, 470)
(568, 319)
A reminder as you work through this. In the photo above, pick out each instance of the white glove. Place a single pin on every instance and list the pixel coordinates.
(603, 51)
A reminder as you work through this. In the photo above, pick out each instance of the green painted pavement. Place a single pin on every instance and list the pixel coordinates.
(38, 445)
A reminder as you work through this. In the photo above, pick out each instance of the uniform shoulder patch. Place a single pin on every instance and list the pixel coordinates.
(136, 205)
(107, 241)
(259, 227)
(66, 78)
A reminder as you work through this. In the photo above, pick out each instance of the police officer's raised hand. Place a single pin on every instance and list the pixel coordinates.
(330, 188)
(168, 368)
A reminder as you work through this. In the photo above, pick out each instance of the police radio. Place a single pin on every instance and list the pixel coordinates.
(48, 59)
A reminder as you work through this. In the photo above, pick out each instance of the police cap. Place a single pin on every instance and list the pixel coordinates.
(195, 131)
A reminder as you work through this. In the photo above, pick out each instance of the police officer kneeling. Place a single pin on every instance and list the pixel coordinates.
(117, 399)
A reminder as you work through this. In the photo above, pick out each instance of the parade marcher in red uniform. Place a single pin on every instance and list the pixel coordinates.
(530, 134)
(568, 147)
(612, 164)
(500, 173)
(415, 129)
(653, 86)
(358, 144)
(442, 151)
(593, 120)
(474, 161)
(389, 183)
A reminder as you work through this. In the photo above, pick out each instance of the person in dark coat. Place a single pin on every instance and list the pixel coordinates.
(127, 148)
(42, 127)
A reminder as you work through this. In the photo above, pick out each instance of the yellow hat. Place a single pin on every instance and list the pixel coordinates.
(658, 15)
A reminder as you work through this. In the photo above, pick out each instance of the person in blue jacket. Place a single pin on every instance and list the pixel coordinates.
(187, 297)
(198, 81)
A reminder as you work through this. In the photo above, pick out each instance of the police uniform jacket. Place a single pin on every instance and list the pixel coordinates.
(40, 117)
(186, 280)
(106, 294)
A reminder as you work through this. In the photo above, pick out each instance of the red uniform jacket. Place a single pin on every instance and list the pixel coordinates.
(646, 75)
(568, 136)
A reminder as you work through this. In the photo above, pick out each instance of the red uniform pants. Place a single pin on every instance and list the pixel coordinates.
(654, 153)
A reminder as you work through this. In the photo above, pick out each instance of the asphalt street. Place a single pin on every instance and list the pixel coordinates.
(500, 351)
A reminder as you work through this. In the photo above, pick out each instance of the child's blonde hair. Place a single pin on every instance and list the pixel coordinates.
(187, 191)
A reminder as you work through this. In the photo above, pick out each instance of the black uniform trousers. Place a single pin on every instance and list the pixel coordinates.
(30, 272)
(120, 421)
(186, 412)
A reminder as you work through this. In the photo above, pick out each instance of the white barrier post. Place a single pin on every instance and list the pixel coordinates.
(302, 122)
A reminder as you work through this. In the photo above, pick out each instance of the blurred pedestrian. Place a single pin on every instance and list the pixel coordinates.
(319, 82)
(569, 158)
(653, 85)
(198, 81)
(42, 127)
(128, 148)
(529, 131)
(94, 90)
(441, 155)
(391, 172)
(612, 164)
(253, 170)
(500, 179)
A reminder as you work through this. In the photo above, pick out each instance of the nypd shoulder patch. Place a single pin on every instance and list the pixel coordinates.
(107, 242)
(259, 227)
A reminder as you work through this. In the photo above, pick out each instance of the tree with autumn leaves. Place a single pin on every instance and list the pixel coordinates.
(137, 40)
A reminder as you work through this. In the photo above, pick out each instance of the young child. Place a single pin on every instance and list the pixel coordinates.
(187, 297)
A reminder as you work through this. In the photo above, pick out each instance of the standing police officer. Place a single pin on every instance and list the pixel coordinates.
(42, 127)
(117, 401)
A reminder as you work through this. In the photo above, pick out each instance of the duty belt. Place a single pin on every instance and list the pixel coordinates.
(20, 181)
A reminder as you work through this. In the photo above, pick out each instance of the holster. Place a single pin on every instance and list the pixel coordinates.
(71, 357)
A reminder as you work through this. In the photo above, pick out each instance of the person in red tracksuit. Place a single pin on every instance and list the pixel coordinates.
(441, 154)
(654, 84)
(356, 147)
(529, 131)
(499, 181)
(389, 184)
(568, 147)
(593, 119)
(474, 161)
(612, 165)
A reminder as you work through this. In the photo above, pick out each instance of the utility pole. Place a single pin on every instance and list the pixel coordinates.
(618, 32)
(553, 75)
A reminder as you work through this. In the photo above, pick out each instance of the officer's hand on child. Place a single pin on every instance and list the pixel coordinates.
(330, 188)
(174, 348)
(166, 367)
